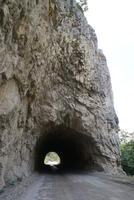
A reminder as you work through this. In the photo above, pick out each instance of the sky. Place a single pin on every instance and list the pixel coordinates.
(113, 21)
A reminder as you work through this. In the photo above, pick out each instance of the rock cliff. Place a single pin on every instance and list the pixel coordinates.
(55, 90)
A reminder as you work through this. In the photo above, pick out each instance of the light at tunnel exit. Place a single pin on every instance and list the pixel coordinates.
(52, 158)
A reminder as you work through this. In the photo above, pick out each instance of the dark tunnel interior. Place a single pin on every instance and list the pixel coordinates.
(74, 149)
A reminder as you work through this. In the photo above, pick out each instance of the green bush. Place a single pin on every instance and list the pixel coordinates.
(127, 157)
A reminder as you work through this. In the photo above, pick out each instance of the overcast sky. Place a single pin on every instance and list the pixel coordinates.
(113, 21)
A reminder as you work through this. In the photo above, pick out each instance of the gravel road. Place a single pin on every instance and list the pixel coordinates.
(72, 186)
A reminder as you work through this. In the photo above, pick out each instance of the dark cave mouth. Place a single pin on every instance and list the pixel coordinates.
(75, 150)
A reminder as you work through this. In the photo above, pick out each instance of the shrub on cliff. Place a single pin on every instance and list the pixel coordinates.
(83, 4)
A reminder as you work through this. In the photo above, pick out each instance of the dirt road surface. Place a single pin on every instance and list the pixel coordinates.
(71, 186)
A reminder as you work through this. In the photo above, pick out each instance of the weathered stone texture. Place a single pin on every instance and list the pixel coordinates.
(51, 74)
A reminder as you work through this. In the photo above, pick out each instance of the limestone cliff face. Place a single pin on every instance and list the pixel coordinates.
(52, 74)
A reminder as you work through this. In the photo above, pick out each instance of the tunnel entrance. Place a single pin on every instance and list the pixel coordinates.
(76, 150)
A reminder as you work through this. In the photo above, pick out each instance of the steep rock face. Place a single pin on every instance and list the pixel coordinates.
(53, 81)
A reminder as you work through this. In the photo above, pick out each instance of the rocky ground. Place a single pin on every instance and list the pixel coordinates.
(71, 186)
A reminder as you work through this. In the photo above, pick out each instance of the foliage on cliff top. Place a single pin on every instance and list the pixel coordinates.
(83, 4)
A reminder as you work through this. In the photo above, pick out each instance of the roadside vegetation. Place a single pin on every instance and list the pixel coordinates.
(127, 151)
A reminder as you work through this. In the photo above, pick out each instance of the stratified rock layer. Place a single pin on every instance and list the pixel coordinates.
(52, 74)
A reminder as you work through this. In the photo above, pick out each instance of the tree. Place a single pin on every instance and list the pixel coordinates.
(127, 151)
(127, 157)
(125, 136)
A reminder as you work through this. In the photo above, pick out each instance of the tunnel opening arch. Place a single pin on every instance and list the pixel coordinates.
(77, 151)
(52, 159)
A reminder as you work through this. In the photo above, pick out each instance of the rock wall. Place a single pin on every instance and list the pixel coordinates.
(51, 73)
